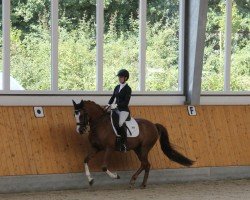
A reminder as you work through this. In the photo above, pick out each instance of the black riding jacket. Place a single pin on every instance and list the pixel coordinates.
(122, 97)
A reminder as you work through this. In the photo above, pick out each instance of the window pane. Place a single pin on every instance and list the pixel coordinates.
(30, 44)
(121, 42)
(213, 66)
(77, 45)
(162, 45)
(1, 48)
(240, 66)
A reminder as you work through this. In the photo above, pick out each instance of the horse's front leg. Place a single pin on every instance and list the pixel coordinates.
(107, 155)
(86, 160)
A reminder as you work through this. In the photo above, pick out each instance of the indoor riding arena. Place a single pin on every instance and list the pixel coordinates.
(115, 99)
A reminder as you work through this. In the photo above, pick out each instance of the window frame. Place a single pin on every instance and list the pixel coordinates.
(227, 58)
(99, 54)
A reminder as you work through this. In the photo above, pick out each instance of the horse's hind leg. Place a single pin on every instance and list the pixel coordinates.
(86, 160)
(135, 176)
(137, 173)
(146, 166)
(145, 179)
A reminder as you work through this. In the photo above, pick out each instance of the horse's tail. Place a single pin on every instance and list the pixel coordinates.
(168, 150)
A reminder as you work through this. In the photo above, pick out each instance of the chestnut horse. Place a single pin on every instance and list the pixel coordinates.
(92, 118)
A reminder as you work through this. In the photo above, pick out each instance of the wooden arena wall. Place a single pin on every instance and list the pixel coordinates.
(217, 136)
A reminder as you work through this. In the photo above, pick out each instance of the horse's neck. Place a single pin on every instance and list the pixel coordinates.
(96, 124)
(96, 118)
(95, 114)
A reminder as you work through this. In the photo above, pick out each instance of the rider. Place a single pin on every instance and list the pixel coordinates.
(122, 93)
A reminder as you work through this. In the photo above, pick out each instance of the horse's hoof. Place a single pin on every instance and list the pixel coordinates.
(91, 182)
(142, 186)
(118, 177)
(131, 186)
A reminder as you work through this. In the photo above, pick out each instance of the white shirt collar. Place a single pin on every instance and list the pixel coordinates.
(121, 86)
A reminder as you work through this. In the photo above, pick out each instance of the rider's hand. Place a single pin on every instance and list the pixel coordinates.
(107, 107)
(113, 106)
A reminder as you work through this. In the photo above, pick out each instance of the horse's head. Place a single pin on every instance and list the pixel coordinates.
(82, 118)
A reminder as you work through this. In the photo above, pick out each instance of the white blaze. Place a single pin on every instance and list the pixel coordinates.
(77, 116)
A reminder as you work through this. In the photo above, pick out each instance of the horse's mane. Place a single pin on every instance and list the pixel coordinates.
(95, 104)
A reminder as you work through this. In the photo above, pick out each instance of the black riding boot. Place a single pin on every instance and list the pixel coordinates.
(123, 134)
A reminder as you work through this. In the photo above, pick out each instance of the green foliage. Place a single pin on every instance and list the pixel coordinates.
(213, 68)
(240, 69)
(30, 59)
(30, 44)
(162, 46)
(77, 50)
(162, 58)
(121, 50)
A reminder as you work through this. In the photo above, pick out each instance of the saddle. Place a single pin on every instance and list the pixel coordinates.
(131, 125)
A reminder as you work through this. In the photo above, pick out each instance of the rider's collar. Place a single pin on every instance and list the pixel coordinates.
(122, 85)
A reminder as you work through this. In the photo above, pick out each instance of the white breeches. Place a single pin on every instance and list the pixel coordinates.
(123, 115)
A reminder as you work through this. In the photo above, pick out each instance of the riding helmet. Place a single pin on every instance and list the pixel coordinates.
(124, 73)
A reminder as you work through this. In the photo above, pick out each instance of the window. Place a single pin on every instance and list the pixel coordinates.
(162, 54)
(226, 56)
(77, 45)
(1, 47)
(30, 44)
(68, 51)
(121, 42)
(240, 60)
(213, 65)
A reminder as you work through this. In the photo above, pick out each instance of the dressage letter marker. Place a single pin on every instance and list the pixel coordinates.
(191, 110)
(39, 112)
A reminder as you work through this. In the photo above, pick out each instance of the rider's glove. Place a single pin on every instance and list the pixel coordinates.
(107, 107)
(113, 106)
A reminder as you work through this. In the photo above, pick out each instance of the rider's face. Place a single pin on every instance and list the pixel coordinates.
(121, 79)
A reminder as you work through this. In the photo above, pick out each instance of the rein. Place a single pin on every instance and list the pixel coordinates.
(86, 121)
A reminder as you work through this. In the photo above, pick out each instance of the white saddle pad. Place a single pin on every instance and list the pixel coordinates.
(132, 126)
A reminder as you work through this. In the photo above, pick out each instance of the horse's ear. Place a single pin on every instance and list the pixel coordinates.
(82, 103)
(74, 103)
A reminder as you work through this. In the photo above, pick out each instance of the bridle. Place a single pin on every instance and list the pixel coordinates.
(85, 122)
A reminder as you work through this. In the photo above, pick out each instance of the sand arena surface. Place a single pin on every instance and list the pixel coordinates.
(206, 190)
